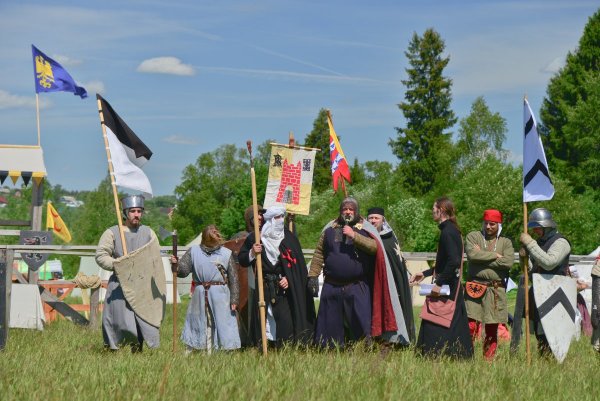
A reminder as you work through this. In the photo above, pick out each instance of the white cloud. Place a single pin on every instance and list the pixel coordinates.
(66, 61)
(180, 140)
(10, 101)
(514, 158)
(94, 87)
(166, 65)
(554, 66)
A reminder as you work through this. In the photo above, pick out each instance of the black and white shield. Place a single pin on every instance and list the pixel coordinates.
(555, 299)
(33, 259)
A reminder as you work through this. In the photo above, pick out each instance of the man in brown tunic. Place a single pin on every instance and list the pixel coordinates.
(490, 258)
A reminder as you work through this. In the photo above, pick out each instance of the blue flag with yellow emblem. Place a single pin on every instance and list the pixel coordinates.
(50, 76)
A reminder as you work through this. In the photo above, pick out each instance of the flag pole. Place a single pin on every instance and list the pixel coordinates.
(174, 271)
(112, 179)
(37, 109)
(526, 285)
(526, 278)
(259, 274)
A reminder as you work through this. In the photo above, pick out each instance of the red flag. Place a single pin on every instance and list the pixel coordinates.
(339, 165)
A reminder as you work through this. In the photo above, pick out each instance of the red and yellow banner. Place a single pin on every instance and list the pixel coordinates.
(55, 223)
(339, 165)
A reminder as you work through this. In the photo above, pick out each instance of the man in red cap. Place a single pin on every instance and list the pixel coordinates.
(490, 258)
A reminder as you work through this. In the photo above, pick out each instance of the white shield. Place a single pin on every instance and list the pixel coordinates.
(555, 299)
(143, 281)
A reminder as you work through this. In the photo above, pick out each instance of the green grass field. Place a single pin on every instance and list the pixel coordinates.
(67, 362)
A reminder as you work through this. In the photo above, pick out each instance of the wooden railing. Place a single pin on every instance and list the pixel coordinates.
(54, 302)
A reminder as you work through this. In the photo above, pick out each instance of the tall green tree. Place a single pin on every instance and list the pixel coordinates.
(319, 138)
(217, 189)
(481, 134)
(583, 125)
(572, 86)
(95, 216)
(424, 145)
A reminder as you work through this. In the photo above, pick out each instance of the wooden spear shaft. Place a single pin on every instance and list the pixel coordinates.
(261, 294)
(174, 271)
(112, 179)
(526, 285)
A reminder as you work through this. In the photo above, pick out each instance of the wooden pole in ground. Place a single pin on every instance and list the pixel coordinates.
(259, 274)
(526, 285)
(112, 180)
(174, 271)
(6, 260)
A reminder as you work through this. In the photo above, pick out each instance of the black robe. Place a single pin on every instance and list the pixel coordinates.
(294, 308)
(398, 266)
(435, 340)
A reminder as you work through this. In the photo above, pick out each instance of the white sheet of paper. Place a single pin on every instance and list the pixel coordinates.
(425, 289)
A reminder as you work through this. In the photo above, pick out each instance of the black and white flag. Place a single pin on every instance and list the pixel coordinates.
(537, 185)
(127, 152)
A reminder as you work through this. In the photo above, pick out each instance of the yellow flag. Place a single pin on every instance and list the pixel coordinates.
(56, 224)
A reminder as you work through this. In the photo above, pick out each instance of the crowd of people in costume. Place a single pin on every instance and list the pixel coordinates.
(365, 295)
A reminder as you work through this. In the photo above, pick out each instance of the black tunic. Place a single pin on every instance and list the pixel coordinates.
(392, 248)
(293, 308)
(435, 340)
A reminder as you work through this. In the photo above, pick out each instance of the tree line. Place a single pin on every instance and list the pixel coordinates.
(469, 166)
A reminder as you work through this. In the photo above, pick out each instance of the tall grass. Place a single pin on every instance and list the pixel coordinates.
(67, 362)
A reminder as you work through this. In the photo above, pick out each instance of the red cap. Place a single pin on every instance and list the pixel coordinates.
(492, 215)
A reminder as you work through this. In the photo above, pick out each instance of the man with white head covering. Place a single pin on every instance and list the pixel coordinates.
(490, 258)
(376, 216)
(290, 307)
(120, 323)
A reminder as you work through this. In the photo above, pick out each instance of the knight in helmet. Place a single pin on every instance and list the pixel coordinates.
(549, 254)
(121, 324)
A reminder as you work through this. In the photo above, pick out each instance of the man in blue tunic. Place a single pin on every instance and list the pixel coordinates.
(345, 252)
(211, 321)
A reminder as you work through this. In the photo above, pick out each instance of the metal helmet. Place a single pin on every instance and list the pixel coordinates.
(131, 201)
(541, 217)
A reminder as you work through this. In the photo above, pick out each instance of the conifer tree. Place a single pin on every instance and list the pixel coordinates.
(424, 146)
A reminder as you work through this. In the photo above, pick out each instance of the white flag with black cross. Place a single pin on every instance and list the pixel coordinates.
(537, 184)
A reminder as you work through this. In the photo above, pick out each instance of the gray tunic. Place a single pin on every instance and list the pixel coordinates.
(120, 324)
(222, 321)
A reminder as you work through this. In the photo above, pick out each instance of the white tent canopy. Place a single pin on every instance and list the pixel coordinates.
(25, 161)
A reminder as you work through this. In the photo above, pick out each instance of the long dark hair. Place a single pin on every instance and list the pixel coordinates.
(446, 206)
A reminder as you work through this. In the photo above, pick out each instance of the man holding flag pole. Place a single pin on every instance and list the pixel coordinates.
(554, 295)
(136, 293)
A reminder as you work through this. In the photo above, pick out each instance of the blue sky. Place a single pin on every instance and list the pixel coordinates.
(188, 76)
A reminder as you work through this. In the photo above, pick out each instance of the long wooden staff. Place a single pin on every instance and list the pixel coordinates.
(526, 285)
(261, 294)
(112, 179)
(174, 271)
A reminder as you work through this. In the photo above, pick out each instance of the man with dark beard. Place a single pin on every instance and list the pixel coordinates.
(376, 217)
(290, 307)
(490, 258)
(356, 293)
